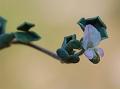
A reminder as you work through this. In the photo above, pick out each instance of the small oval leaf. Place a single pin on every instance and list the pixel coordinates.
(27, 36)
(6, 39)
(62, 53)
(2, 25)
(25, 26)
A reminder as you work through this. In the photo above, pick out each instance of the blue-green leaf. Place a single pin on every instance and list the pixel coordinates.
(2, 25)
(26, 26)
(62, 53)
(27, 36)
(6, 39)
(66, 58)
(74, 44)
(68, 39)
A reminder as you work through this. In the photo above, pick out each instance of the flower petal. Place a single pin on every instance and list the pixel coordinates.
(89, 53)
(100, 52)
(96, 22)
(91, 37)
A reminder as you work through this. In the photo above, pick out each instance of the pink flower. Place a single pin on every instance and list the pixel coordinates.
(91, 40)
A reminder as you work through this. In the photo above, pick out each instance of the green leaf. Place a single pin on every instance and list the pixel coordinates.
(62, 53)
(66, 58)
(73, 59)
(74, 44)
(26, 26)
(5, 40)
(2, 25)
(68, 39)
(27, 36)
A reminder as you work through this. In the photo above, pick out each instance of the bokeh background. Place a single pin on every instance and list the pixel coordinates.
(25, 68)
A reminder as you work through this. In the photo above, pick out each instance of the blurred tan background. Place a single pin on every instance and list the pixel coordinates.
(25, 68)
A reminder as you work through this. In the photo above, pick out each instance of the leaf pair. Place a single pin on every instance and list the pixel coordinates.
(26, 35)
(5, 38)
(23, 35)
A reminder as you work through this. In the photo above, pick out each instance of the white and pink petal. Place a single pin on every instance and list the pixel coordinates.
(90, 53)
(91, 37)
(100, 52)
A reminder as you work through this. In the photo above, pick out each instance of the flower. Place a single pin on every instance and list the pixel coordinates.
(97, 23)
(91, 40)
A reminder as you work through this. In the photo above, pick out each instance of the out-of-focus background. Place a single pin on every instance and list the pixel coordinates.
(25, 68)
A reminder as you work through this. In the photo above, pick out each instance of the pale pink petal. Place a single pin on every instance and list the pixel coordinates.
(91, 37)
(100, 52)
(89, 53)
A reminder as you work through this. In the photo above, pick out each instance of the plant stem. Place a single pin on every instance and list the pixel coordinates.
(46, 51)
(39, 48)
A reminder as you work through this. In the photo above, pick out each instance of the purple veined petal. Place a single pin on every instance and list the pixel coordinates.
(91, 37)
(100, 52)
(90, 53)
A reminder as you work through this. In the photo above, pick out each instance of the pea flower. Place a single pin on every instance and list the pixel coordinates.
(94, 32)
(91, 40)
